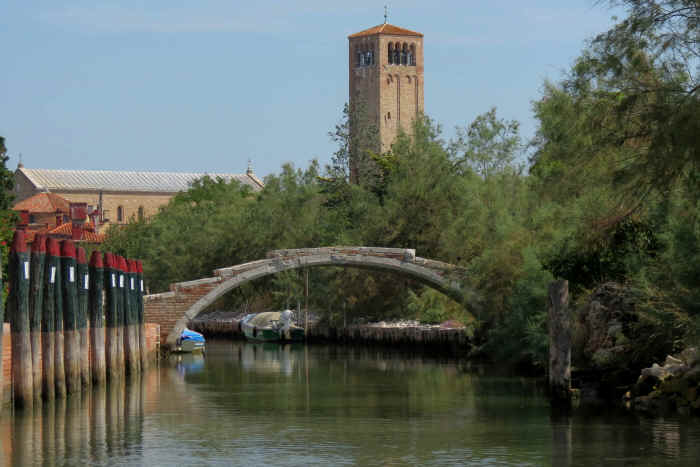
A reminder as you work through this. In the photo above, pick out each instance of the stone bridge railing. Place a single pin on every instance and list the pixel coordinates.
(185, 300)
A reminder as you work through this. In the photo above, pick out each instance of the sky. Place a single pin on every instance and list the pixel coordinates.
(206, 85)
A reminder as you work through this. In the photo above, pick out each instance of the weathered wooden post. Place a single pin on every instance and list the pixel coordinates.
(133, 361)
(70, 315)
(2, 321)
(134, 291)
(97, 330)
(36, 304)
(559, 343)
(18, 308)
(82, 318)
(143, 351)
(121, 314)
(59, 340)
(111, 317)
(48, 321)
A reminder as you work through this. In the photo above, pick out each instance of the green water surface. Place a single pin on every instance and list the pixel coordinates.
(271, 404)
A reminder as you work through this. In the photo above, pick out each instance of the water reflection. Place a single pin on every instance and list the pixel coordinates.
(256, 404)
(88, 428)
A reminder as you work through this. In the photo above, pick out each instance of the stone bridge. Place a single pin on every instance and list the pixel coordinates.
(172, 310)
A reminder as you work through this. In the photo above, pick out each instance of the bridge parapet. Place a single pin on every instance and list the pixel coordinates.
(401, 254)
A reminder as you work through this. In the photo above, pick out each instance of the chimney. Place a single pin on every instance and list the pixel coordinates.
(24, 216)
(23, 221)
(78, 215)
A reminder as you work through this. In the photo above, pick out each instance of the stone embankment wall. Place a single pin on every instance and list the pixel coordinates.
(456, 341)
(152, 346)
(452, 340)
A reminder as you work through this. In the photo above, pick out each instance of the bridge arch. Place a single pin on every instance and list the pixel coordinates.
(174, 309)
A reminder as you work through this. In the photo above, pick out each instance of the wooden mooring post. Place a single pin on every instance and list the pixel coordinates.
(59, 339)
(36, 305)
(131, 337)
(121, 315)
(82, 317)
(2, 321)
(18, 307)
(112, 318)
(97, 330)
(48, 321)
(559, 343)
(143, 351)
(70, 316)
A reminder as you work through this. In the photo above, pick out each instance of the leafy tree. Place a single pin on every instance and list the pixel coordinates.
(7, 216)
(358, 138)
(488, 145)
(637, 85)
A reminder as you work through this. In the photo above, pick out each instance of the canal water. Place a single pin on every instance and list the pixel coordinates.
(269, 404)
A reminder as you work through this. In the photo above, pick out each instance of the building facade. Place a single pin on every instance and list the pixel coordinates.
(117, 196)
(386, 78)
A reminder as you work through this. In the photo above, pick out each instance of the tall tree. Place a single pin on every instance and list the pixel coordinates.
(488, 145)
(638, 85)
(7, 217)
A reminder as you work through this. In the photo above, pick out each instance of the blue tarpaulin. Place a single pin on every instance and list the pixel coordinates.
(191, 336)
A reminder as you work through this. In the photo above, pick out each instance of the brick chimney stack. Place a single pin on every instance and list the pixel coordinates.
(78, 216)
(23, 222)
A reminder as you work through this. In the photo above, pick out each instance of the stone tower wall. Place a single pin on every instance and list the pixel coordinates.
(393, 94)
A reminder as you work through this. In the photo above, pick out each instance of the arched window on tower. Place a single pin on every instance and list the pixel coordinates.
(404, 54)
(141, 213)
(120, 214)
(397, 54)
(412, 55)
(391, 54)
(358, 54)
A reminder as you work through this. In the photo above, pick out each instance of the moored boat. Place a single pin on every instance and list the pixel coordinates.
(271, 326)
(190, 341)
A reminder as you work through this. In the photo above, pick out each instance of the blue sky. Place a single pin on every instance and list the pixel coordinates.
(204, 85)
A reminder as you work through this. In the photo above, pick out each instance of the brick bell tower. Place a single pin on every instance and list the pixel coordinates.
(386, 74)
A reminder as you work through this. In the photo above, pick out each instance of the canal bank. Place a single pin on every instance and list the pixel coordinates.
(448, 338)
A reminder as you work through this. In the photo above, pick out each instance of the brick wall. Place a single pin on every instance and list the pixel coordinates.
(152, 344)
(6, 362)
(393, 94)
(167, 308)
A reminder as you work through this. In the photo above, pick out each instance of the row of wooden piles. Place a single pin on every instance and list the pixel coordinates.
(73, 323)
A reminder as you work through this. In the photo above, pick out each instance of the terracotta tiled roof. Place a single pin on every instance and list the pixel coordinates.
(386, 28)
(43, 202)
(88, 236)
(112, 180)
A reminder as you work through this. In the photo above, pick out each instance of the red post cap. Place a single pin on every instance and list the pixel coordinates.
(133, 269)
(82, 258)
(53, 247)
(109, 260)
(121, 265)
(139, 266)
(96, 260)
(67, 249)
(19, 244)
(39, 244)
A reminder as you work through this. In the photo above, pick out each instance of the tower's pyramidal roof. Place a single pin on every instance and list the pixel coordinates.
(386, 28)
